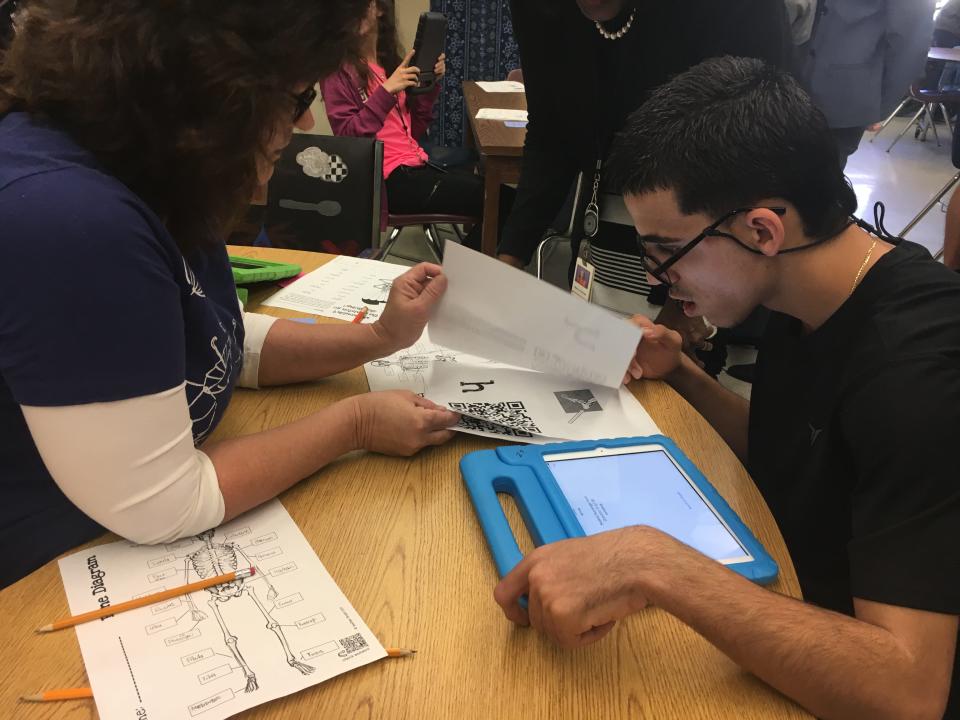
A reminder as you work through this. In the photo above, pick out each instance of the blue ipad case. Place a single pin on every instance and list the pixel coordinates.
(693, 511)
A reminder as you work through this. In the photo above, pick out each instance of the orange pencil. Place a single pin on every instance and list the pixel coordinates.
(146, 600)
(65, 694)
(360, 315)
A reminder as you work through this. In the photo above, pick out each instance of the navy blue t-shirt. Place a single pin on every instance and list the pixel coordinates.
(97, 304)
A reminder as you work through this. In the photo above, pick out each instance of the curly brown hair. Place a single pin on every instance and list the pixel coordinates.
(176, 98)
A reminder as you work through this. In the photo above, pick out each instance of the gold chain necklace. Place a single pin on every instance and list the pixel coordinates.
(862, 266)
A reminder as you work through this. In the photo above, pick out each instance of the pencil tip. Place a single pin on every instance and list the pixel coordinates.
(31, 698)
(44, 629)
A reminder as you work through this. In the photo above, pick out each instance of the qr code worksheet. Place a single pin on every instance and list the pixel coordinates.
(508, 418)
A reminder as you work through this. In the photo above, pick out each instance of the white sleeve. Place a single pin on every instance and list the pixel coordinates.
(255, 329)
(131, 465)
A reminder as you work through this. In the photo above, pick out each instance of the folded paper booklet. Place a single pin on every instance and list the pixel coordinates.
(215, 652)
(539, 404)
(519, 359)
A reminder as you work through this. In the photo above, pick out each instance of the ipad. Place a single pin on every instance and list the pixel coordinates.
(573, 489)
(610, 488)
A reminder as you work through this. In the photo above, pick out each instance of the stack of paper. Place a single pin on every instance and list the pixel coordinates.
(501, 86)
(520, 359)
(502, 114)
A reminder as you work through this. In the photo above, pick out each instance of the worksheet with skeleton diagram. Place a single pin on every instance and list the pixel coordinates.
(341, 289)
(215, 652)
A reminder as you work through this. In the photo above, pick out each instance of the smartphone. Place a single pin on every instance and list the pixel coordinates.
(427, 48)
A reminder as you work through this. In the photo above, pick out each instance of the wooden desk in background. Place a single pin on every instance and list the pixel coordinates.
(501, 149)
(401, 539)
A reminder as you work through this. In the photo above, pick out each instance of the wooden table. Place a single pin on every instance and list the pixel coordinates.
(402, 540)
(941, 53)
(501, 150)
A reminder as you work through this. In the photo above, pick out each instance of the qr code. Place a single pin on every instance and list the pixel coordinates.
(506, 418)
(353, 643)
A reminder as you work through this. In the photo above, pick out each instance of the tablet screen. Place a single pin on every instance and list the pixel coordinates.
(620, 489)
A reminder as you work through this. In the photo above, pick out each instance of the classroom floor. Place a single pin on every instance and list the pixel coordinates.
(905, 179)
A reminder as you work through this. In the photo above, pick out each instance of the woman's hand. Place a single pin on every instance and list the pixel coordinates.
(405, 76)
(440, 69)
(412, 298)
(397, 422)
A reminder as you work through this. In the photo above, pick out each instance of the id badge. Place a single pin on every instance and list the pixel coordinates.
(582, 279)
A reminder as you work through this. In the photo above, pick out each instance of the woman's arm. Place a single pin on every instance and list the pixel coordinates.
(152, 485)
(294, 352)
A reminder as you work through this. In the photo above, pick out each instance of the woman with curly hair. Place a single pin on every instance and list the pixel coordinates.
(132, 134)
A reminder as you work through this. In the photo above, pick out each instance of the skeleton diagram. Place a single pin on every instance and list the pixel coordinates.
(216, 559)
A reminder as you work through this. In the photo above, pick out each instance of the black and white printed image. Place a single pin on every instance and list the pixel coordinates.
(577, 402)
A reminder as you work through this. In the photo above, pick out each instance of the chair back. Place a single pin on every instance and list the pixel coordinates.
(325, 194)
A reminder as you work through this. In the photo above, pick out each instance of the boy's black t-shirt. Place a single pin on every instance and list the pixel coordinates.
(852, 441)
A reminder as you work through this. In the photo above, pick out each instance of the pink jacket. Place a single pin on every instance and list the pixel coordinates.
(350, 115)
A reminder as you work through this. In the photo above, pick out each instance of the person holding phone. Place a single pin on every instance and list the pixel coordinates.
(368, 97)
(115, 373)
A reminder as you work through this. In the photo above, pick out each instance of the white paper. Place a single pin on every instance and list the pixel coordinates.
(501, 86)
(495, 311)
(171, 660)
(341, 288)
(540, 404)
(502, 114)
(412, 368)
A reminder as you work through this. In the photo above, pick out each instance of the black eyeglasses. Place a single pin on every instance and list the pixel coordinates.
(304, 100)
(659, 268)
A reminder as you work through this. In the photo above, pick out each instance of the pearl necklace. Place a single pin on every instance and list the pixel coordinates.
(619, 33)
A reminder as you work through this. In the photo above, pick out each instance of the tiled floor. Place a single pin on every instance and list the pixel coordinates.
(905, 179)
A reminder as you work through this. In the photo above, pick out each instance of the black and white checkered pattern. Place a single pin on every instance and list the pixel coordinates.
(338, 170)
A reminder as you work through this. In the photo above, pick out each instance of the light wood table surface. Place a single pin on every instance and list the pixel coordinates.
(501, 149)
(401, 539)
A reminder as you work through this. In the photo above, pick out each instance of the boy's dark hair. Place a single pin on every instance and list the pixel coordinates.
(728, 133)
(175, 98)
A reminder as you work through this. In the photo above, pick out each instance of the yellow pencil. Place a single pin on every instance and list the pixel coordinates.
(146, 600)
(65, 694)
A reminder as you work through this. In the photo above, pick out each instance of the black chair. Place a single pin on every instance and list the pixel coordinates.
(325, 195)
